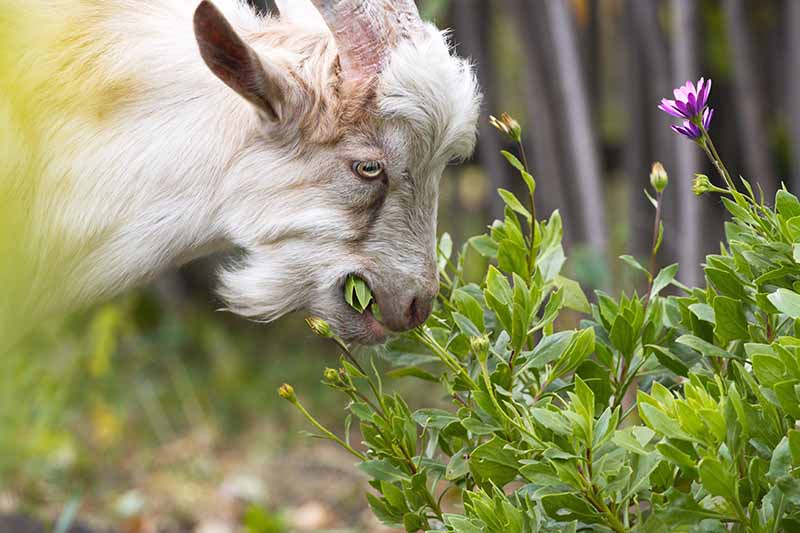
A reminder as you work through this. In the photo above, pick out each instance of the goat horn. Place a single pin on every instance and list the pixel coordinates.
(366, 31)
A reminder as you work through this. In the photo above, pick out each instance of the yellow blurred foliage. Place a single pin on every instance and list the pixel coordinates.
(49, 73)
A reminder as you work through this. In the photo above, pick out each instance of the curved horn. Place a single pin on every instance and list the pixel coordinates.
(366, 31)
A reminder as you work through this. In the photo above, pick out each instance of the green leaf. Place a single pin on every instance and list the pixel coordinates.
(484, 245)
(794, 446)
(664, 278)
(718, 479)
(513, 160)
(445, 246)
(412, 372)
(661, 423)
(383, 511)
(703, 312)
(622, 336)
(357, 293)
(512, 257)
(781, 462)
(768, 369)
(787, 204)
(493, 462)
(636, 265)
(673, 454)
(681, 509)
(786, 393)
(555, 422)
(566, 506)
(726, 283)
(540, 474)
(634, 439)
(478, 427)
(469, 307)
(499, 286)
(458, 467)
(550, 348)
(786, 301)
(669, 360)
(394, 496)
(465, 325)
(574, 297)
(790, 487)
(705, 348)
(413, 522)
(660, 238)
(512, 202)
(434, 418)
(462, 524)
(586, 398)
(731, 323)
(550, 262)
(580, 348)
(383, 470)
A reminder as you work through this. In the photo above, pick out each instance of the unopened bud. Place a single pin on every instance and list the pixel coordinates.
(480, 347)
(702, 185)
(331, 376)
(319, 326)
(286, 392)
(514, 129)
(658, 177)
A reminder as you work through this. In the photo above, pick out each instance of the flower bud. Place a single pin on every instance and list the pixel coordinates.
(286, 392)
(480, 347)
(702, 185)
(502, 128)
(319, 327)
(658, 177)
(331, 376)
(514, 129)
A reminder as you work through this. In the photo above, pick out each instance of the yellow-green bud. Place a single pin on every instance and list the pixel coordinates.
(702, 185)
(286, 392)
(658, 177)
(319, 326)
(480, 347)
(331, 376)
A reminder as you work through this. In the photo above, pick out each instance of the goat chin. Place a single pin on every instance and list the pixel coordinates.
(122, 155)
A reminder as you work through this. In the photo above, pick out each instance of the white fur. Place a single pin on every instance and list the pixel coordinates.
(187, 168)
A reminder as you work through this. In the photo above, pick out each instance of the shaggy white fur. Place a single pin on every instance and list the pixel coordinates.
(180, 165)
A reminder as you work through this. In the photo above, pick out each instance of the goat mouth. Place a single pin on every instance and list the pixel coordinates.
(375, 327)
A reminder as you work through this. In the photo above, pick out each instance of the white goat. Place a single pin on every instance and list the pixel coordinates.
(320, 158)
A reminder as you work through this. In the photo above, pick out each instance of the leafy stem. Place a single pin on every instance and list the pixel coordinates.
(425, 338)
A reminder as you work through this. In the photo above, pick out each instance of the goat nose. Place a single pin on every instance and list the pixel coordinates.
(420, 308)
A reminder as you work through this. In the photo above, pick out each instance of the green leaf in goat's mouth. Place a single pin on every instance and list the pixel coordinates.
(357, 293)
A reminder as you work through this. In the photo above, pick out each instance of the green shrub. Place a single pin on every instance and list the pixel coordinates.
(658, 412)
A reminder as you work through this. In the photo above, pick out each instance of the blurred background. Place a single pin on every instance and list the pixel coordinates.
(154, 412)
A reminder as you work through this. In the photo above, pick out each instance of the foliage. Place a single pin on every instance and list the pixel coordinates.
(357, 293)
(657, 411)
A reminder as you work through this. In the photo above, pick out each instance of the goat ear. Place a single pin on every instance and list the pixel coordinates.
(234, 62)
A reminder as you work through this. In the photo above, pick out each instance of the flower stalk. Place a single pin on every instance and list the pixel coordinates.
(286, 392)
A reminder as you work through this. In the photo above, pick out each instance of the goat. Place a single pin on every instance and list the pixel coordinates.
(137, 135)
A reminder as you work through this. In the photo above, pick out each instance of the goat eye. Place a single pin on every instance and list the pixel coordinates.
(368, 169)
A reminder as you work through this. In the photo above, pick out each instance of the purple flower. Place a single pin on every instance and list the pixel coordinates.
(690, 129)
(690, 100)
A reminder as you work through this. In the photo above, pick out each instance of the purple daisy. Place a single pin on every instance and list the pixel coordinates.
(690, 129)
(690, 100)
